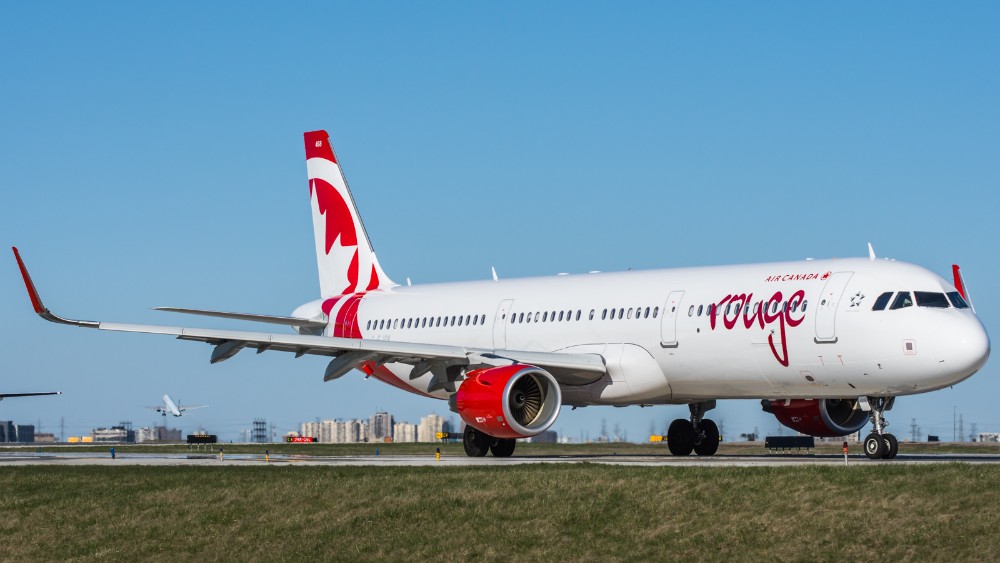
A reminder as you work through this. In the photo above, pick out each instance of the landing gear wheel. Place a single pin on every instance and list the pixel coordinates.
(503, 447)
(891, 446)
(706, 441)
(680, 437)
(476, 443)
(875, 446)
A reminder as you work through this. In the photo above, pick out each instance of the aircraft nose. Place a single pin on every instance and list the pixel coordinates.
(968, 346)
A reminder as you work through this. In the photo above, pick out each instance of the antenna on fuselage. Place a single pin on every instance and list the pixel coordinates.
(871, 252)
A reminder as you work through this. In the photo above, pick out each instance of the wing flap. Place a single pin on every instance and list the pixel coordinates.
(271, 319)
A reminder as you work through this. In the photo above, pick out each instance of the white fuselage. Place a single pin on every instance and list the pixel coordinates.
(782, 330)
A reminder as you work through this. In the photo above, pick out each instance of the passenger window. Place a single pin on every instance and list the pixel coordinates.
(902, 300)
(467, 319)
(395, 323)
(700, 309)
(690, 311)
(369, 325)
(592, 312)
(804, 303)
(630, 312)
(881, 301)
(656, 310)
(931, 299)
(621, 313)
(604, 314)
(956, 300)
(545, 316)
(537, 316)
(560, 316)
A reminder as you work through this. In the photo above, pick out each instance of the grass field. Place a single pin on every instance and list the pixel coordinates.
(529, 512)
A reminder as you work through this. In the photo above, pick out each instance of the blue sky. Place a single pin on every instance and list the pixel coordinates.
(153, 156)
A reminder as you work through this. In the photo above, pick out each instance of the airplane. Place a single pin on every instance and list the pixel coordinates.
(825, 345)
(169, 406)
(6, 395)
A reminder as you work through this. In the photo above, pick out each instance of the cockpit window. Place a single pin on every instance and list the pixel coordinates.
(902, 300)
(956, 300)
(931, 299)
(882, 301)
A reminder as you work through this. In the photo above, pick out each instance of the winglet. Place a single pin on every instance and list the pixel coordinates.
(871, 252)
(36, 300)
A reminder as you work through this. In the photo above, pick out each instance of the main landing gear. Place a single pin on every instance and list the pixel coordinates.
(698, 434)
(478, 444)
(880, 444)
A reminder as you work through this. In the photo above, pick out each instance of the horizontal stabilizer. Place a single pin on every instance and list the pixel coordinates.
(5, 395)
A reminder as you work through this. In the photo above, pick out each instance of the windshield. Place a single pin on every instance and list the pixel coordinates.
(931, 299)
(956, 300)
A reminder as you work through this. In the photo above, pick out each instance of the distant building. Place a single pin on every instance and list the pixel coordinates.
(429, 427)
(404, 432)
(22, 433)
(115, 434)
(380, 427)
(988, 437)
(336, 431)
(44, 438)
(148, 434)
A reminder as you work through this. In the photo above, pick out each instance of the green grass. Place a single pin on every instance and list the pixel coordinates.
(528, 512)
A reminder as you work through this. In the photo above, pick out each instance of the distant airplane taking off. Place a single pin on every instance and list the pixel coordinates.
(6, 395)
(826, 346)
(169, 406)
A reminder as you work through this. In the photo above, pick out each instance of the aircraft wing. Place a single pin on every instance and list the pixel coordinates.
(349, 353)
(6, 395)
(190, 407)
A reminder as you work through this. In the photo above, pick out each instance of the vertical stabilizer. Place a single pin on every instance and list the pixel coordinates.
(347, 263)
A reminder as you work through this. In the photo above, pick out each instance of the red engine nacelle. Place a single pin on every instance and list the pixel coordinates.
(818, 417)
(515, 401)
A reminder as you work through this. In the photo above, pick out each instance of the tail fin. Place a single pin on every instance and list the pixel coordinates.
(347, 263)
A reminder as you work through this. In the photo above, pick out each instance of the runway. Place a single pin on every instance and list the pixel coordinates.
(8, 459)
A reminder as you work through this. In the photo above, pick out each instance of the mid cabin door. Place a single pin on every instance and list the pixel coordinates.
(668, 322)
(500, 324)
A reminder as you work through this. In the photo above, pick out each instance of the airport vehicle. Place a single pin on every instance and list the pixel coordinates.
(7, 395)
(826, 345)
(169, 406)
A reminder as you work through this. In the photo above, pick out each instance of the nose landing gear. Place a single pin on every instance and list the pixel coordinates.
(879, 444)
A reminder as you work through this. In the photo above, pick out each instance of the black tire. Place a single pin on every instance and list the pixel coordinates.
(680, 437)
(706, 441)
(503, 447)
(891, 446)
(477, 444)
(875, 446)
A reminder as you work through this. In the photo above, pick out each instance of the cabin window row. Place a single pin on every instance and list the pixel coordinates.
(794, 306)
(425, 322)
(571, 315)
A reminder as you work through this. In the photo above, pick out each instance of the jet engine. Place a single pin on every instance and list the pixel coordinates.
(514, 401)
(818, 417)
